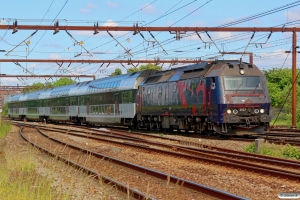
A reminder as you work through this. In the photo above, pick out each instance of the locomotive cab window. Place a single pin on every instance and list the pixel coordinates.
(213, 84)
(242, 83)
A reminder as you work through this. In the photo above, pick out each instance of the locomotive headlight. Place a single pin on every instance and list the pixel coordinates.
(262, 110)
(242, 71)
(228, 111)
(235, 111)
(256, 111)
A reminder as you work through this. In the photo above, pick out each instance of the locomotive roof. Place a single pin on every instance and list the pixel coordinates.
(114, 83)
(205, 69)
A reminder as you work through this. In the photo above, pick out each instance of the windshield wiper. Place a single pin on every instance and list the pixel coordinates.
(255, 88)
(239, 87)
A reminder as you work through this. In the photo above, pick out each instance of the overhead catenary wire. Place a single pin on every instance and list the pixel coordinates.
(50, 24)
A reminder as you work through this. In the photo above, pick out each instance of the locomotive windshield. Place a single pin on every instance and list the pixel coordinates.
(242, 83)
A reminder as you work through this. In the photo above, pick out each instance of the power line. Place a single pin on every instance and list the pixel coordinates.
(50, 24)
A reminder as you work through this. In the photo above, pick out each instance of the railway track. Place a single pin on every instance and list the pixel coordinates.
(139, 195)
(242, 160)
(275, 135)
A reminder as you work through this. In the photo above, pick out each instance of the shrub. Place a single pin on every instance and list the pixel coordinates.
(291, 152)
(250, 148)
(283, 151)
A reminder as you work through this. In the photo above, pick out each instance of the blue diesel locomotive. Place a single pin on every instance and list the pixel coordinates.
(227, 97)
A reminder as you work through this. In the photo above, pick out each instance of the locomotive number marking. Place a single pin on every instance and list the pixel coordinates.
(242, 109)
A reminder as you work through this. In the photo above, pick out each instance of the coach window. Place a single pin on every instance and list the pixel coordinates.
(82, 101)
(130, 97)
(149, 91)
(160, 90)
(125, 97)
(174, 88)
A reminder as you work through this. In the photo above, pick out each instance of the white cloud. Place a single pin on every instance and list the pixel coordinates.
(169, 22)
(148, 8)
(229, 20)
(54, 56)
(192, 9)
(221, 35)
(54, 45)
(224, 21)
(110, 23)
(88, 8)
(197, 23)
(112, 4)
(195, 37)
(84, 10)
(91, 6)
(101, 33)
(293, 15)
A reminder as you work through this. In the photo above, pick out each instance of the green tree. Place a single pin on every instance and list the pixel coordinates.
(34, 87)
(5, 109)
(63, 81)
(41, 86)
(279, 83)
(116, 72)
(144, 67)
(132, 69)
(150, 66)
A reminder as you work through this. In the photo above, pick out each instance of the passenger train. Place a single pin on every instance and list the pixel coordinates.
(225, 96)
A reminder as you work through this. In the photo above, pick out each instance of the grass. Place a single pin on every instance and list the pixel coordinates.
(270, 149)
(283, 123)
(19, 179)
(4, 128)
(25, 175)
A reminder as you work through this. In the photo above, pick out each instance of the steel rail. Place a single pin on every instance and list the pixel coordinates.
(204, 156)
(236, 154)
(123, 188)
(199, 145)
(176, 180)
(284, 130)
(211, 147)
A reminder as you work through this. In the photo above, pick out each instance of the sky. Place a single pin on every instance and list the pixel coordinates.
(268, 53)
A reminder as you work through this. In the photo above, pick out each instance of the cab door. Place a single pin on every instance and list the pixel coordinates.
(212, 99)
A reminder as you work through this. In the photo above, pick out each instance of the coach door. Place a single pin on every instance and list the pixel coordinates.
(67, 105)
(87, 105)
(117, 104)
